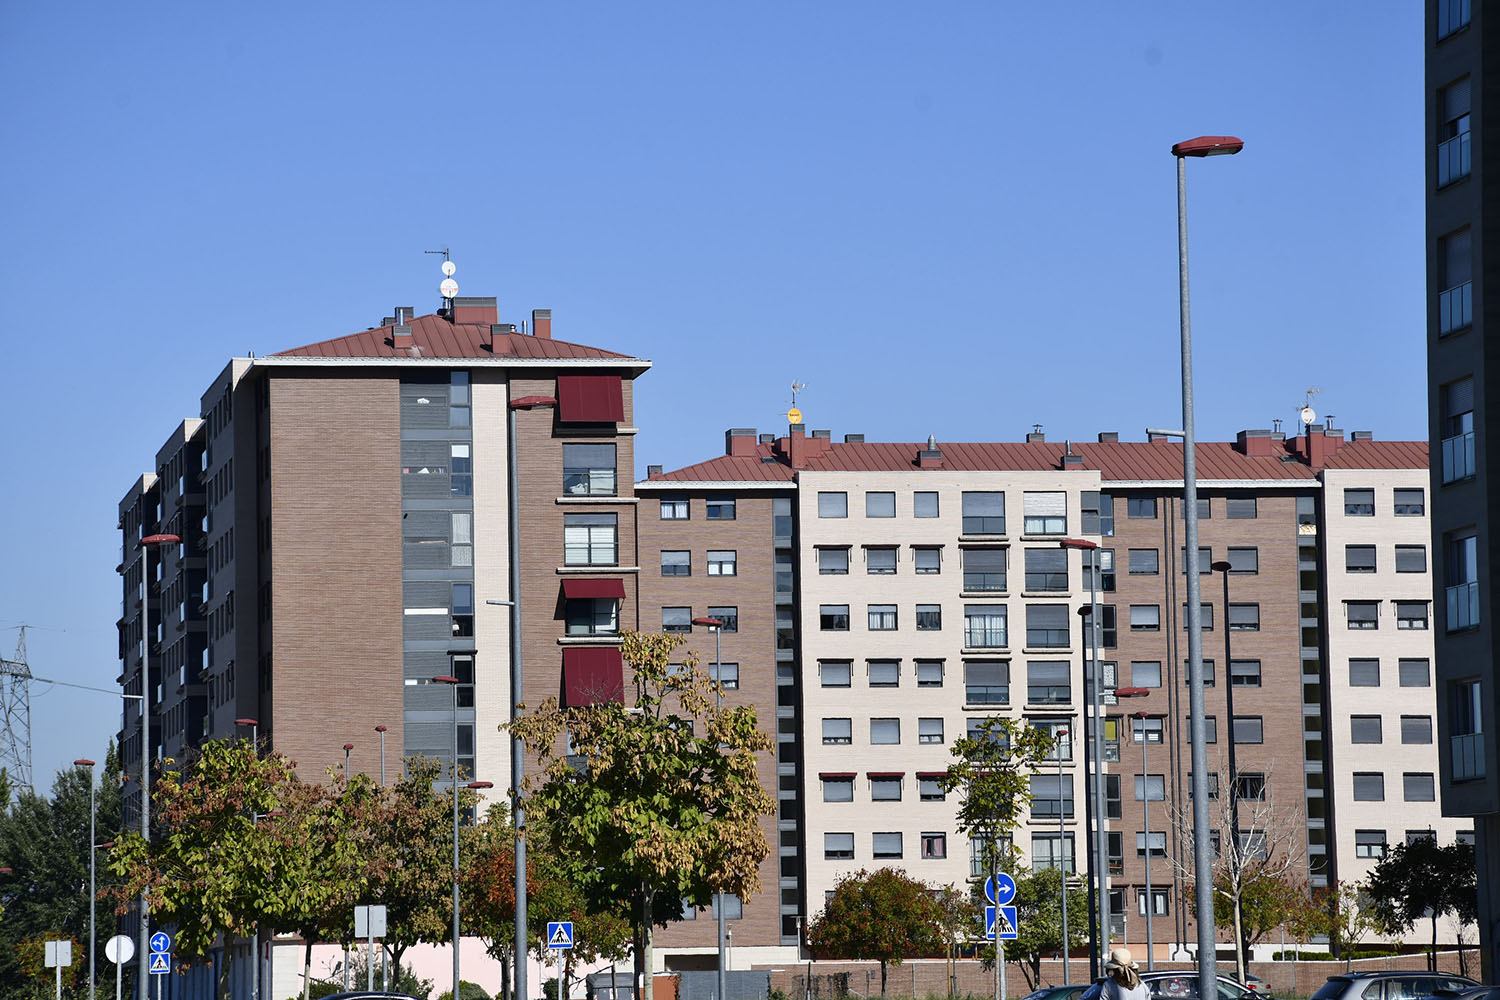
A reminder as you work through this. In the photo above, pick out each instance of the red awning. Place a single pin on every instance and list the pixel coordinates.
(887, 774)
(835, 775)
(932, 774)
(573, 589)
(592, 674)
(590, 399)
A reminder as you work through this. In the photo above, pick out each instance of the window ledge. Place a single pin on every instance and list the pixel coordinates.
(1002, 539)
(586, 498)
(1048, 537)
(583, 570)
(1065, 707)
(1047, 651)
(983, 594)
(1045, 595)
(588, 640)
(985, 651)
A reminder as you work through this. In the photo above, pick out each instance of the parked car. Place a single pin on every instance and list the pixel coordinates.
(1409, 984)
(1057, 992)
(366, 995)
(1179, 985)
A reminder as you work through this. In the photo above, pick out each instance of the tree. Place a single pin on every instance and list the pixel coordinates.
(654, 814)
(1039, 910)
(1265, 904)
(1420, 879)
(882, 916)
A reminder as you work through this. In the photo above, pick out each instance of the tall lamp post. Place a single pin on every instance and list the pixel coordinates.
(254, 725)
(143, 973)
(1203, 860)
(84, 762)
(1224, 568)
(1093, 754)
(1140, 692)
(381, 731)
(718, 626)
(1062, 857)
(452, 682)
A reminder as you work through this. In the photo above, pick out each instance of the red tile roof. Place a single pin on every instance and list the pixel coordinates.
(1382, 455)
(436, 337)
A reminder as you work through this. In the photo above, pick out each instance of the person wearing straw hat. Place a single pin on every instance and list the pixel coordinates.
(1122, 983)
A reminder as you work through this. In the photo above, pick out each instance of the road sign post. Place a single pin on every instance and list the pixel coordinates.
(58, 955)
(369, 923)
(560, 939)
(119, 950)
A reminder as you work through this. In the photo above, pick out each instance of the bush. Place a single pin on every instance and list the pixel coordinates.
(403, 980)
(466, 991)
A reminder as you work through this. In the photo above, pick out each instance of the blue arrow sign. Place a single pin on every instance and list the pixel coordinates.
(559, 935)
(161, 963)
(161, 941)
(1000, 890)
(1007, 924)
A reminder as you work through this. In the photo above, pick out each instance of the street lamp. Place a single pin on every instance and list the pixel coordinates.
(143, 972)
(1203, 860)
(1223, 567)
(452, 682)
(1093, 754)
(381, 731)
(718, 626)
(84, 762)
(254, 725)
(1062, 857)
(1140, 692)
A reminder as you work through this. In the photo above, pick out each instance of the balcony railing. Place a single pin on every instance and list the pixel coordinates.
(983, 581)
(1462, 606)
(987, 694)
(980, 636)
(1453, 159)
(1451, 15)
(1456, 308)
(1458, 457)
(1468, 756)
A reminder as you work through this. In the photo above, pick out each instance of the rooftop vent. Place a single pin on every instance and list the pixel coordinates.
(1105, 436)
(767, 439)
(1362, 436)
(854, 439)
(1036, 436)
(825, 435)
(653, 470)
(930, 457)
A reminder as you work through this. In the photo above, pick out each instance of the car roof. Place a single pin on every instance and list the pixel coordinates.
(1396, 974)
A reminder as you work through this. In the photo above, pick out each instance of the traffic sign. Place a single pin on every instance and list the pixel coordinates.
(1006, 924)
(1000, 890)
(119, 949)
(57, 954)
(369, 921)
(161, 941)
(559, 934)
(161, 963)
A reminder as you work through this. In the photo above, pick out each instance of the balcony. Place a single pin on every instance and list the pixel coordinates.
(978, 635)
(1468, 756)
(1458, 457)
(1461, 607)
(1453, 159)
(1456, 308)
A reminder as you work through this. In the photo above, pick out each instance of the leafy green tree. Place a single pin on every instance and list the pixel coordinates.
(881, 916)
(1039, 910)
(1422, 878)
(666, 803)
(1266, 903)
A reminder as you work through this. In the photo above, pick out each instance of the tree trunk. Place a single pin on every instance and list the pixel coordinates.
(307, 967)
(222, 987)
(882, 978)
(643, 938)
(504, 974)
(1432, 958)
(1239, 943)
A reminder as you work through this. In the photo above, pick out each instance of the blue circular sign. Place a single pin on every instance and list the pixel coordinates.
(161, 941)
(1000, 890)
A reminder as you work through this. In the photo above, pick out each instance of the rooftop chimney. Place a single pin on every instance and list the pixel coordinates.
(1156, 437)
(1108, 436)
(401, 336)
(825, 435)
(1036, 436)
(541, 323)
(740, 441)
(1361, 436)
(1070, 459)
(653, 470)
(930, 457)
(476, 309)
(1255, 444)
(854, 439)
(767, 439)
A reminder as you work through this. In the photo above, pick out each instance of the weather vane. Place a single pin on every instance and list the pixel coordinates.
(794, 415)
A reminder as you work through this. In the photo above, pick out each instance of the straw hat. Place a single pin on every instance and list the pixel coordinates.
(1120, 958)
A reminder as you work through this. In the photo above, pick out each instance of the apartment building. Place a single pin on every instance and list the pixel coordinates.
(1461, 223)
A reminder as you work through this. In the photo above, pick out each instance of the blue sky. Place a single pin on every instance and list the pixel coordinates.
(946, 218)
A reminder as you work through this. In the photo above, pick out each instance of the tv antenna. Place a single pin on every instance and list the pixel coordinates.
(448, 288)
(1307, 414)
(794, 415)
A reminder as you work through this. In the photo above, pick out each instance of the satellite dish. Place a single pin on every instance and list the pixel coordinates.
(1307, 415)
(449, 288)
(448, 268)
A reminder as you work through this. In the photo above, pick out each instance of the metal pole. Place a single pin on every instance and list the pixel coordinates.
(381, 731)
(143, 965)
(517, 697)
(719, 703)
(1237, 858)
(93, 855)
(1062, 856)
(1090, 818)
(1203, 859)
(1101, 812)
(1146, 822)
(455, 842)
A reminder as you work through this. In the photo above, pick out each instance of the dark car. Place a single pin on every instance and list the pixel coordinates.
(367, 995)
(1182, 986)
(1409, 984)
(1057, 992)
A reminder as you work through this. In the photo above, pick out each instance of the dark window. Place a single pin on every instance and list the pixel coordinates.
(1411, 559)
(1359, 503)
(1453, 153)
(1244, 560)
(676, 562)
(589, 469)
(1418, 787)
(986, 683)
(1244, 673)
(1461, 582)
(1048, 682)
(1145, 673)
(838, 846)
(1456, 406)
(1137, 507)
(1101, 579)
(883, 673)
(593, 616)
(924, 504)
(729, 617)
(885, 845)
(1362, 614)
(1051, 796)
(1240, 507)
(1452, 15)
(1359, 558)
(880, 561)
(929, 673)
(1411, 614)
(676, 619)
(1098, 513)
(1364, 673)
(927, 559)
(1365, 729)
(1143, 562)
(929, 790)
(719, 509)
(1047, 625)
(1369, 843)
(838, 789)
(833, 561)
(929, 617)
(885, 789)
(1251, 786)
(1414, 673)
(1247, 729)
(880, 505)
(984, 513)
(1046, 569)
(1244, 617)
(1416, 729)
(833, 505)
(1145, 618)
(1205, 559)
(984, 569)
(833, 617)
(1369, 786)
(1411, 502)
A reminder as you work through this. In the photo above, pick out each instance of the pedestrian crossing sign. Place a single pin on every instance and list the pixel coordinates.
(161, 963)
(559, 934)
(1000, 921)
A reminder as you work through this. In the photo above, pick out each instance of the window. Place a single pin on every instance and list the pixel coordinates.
(1051, 850)
(676, 562)
(1205, 559)
(929, 788)
(727, 616)
(1213, 785)
(1158, 902)
(927, 559)
(880, 560)
(590, 539)
(986, 683)
(734, 907)
(885, 731)
(929, 617)
(461, 483)
(934, 845)
(1244, 617)
(1416, 729)
(833, 617)
(1108, 628)
(1362, 614)
(929, 673)
(1364, 673)
(727, 674)
(1247, 729)
(1452, 15)
(1244, 560)
(1139, 507)
(885, 788)
(463, 609)
(837, 731)
(1046, 569)
(929, 730)
(1098, 513)
(1058, 732)
(1411, 614)
(1112, 805)
(1411, 502)
(883, 673)
(1251, 786)
(458, 399)
(835, 673)
(833, 561)
(1456, 405)
(1145, 617)
(1244, 673)
(1099, 570)
(1047, 626)
(984, 569)
(1364, 729)
(1359, 558)
(676, 619)
(674, 509)
(886, 845)
(1359, 503)
(881, 617)
(1205, 509)
(838, 788)
(1144, 562)
(1369, 843)
(924, 504)
(984, 626)
(719, 509)
(1369, 786)
(833, 505)
(1411, 559)
(1051, 797)
(1150, 787)
(1418, 786)
(593, 616)
(838, 847)
(880, 505)
(1048, 682)
(1158, 843)
(1045, 513)
(461, 525)
(721, 562)
(1461, 583)
(1414, 673)
(1466, 729)
(589, 469)
(1145, 673)
(1240, 508)
(984, 513)
(1453, 130)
